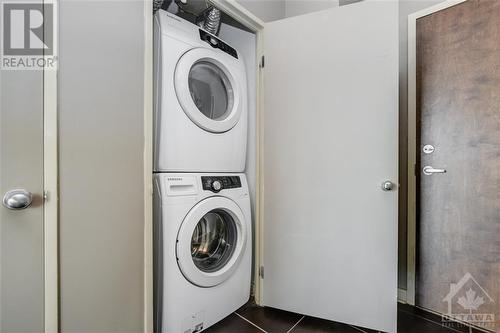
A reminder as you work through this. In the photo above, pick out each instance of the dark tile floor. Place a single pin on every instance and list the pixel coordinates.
(251, 318)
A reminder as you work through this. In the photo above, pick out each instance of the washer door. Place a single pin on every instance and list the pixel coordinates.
(211, 241)
(207, 90)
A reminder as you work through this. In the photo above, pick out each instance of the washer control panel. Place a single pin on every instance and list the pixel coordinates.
(219, 183)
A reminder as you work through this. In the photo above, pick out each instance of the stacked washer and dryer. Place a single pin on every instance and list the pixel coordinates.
(202, 216)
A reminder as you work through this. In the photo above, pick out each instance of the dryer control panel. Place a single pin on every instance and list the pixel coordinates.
(216, 43)
(219, 183)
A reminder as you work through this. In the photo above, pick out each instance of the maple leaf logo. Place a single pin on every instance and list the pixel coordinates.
(470, 301)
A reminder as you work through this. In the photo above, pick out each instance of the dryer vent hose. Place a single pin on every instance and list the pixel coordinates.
(157, 5)
(212, 21)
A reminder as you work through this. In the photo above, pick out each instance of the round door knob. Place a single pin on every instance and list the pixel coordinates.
(17, 199)
(388, 185)
(216, 185)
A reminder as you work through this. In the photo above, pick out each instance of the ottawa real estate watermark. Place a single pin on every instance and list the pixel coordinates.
(469, 304)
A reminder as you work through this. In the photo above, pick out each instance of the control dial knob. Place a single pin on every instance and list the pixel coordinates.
(216, 186)
(213, 41)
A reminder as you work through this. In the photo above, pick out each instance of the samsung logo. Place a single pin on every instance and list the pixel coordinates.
(175, 179)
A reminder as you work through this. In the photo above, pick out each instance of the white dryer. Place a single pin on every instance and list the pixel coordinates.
(200, 100)
(203, 249)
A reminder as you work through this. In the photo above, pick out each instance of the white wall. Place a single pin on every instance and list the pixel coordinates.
(272, 10)
(299, 7)
(101, 105)
(266, 10)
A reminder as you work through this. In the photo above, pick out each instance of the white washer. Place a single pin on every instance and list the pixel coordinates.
(200, 100)
(203, 249)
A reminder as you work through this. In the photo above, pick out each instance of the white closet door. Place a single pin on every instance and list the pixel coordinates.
(330, 141)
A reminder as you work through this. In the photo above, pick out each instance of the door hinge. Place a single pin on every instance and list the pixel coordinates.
(415, 170)
(261, 272)
(262, 62)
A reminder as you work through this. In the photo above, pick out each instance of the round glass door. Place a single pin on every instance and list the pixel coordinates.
(213, 241)
(210, 90)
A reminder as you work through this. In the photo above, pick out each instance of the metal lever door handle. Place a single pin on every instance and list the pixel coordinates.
(17, 199)
(428, 170)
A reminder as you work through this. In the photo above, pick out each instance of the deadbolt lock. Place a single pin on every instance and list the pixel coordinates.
(428, 149)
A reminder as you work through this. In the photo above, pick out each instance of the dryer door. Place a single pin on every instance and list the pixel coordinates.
(211, 241)
(208, 89)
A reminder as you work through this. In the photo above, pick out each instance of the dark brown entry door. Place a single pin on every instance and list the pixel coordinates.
(458, 107)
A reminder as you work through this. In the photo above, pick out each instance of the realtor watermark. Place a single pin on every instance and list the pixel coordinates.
(469, 304)
(28, 36)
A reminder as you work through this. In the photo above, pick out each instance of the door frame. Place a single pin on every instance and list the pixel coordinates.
(148, 324)
(50, 202)
(256, 26)
(51, 190)
(412, 144)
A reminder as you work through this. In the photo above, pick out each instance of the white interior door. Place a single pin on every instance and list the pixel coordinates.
(21, 212)
(330, 141)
